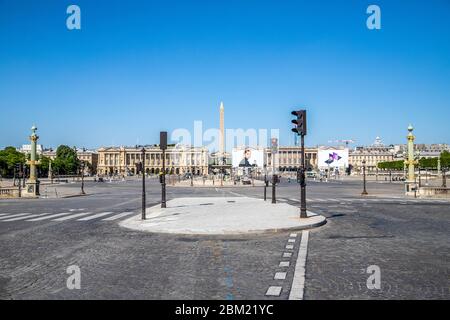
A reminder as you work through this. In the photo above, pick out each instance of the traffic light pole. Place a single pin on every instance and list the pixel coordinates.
(163, 184)
(265, 183)
(300, 130)
(303, 182)
(143, 185)
(274, 197)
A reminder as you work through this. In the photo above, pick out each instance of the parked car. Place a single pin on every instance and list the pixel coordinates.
(311, 174)
(187, 175)
(246, 180)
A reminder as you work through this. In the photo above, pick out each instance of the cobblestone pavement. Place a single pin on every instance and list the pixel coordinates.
(408, 240)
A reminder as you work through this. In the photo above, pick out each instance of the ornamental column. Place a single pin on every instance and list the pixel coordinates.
(410, 185)
(32, 186)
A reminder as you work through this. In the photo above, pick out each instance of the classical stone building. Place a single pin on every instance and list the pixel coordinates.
(179, 160)
(289, 158)
(90, 157)
(373, 154)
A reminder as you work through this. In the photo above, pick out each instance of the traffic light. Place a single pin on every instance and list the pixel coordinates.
(300, 122)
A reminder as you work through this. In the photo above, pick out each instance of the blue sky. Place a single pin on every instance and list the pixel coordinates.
(139, 67)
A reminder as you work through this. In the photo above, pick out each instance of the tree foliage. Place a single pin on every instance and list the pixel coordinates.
(445, 159)
(66, 161)
(391, 165)
(425, 163)
(44, 164)
(9, 157)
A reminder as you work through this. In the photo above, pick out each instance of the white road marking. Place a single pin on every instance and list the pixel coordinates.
(14, 215)
(280, 276)
(98, 215)
(50, 216)
(289, 247)
(284, 264)
(298, 283)
(234, 193)
(26, 217)
(118, 216)
(274, 291)
(72, 216)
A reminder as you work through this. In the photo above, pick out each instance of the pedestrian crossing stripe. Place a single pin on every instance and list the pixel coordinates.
(50, 216)
(98, 215)
(64, 216)
(14, 215)
(76, 215)
(118, 216)
(19, 217)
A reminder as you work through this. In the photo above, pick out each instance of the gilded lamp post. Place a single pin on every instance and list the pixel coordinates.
(410, 185)
(32, 188)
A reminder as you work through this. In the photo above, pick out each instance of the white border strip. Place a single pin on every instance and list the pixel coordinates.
(298, 283)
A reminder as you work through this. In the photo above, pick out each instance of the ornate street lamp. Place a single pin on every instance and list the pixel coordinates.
(444, 178)
(82, 166)
(364, 193)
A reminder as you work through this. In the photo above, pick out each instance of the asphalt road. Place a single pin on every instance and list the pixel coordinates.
(407, 239)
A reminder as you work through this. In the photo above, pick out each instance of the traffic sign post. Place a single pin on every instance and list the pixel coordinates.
(274, 177)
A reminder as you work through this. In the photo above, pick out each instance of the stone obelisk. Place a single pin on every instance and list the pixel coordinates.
(222, 135)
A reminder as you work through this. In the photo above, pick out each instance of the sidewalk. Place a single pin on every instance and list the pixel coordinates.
(222, 216)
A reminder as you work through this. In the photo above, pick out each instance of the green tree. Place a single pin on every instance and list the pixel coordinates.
(391, 165)
(9, 157)
(428, 163)
(445, 159)
(66, 161)
(44, 164)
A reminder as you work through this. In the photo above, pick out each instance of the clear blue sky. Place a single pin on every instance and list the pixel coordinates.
(138, 67)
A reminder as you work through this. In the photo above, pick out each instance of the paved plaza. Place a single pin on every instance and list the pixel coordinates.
(406, 238)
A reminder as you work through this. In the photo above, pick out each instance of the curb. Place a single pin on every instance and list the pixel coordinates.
(248, 233)
(74, 196)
